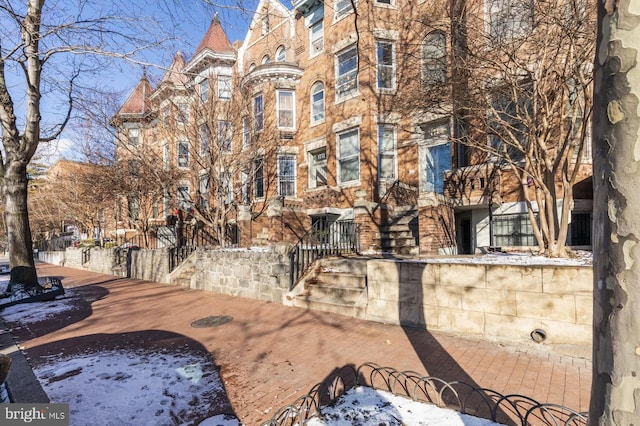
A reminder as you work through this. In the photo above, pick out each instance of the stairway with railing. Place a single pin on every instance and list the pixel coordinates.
(322, 240)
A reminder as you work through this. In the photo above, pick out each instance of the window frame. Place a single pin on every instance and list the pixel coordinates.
(182, 115)
(133, 140)
(258, 113)
(316, 37)
(183, 197)
(382, 67)
(280, 110)
(204, 140)
(225, 135)
(203, 90)
(281, 54)
(317, 88)
(347, 158)
(349, 88)
(204, 190)
(183, 154)
(515, 24)
(434, 67)
(340, 12)
(258, 178)
(288, 180)
(315, 165)
(225, 87)
(391, 152)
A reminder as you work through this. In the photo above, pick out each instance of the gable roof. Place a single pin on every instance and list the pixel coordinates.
(138, 101)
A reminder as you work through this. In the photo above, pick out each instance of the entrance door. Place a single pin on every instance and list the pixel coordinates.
(463, 227)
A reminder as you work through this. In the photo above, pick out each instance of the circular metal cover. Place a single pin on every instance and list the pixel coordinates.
(212, 321)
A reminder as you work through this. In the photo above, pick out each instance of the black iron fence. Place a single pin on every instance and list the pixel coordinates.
(322, 240)
(512, 409)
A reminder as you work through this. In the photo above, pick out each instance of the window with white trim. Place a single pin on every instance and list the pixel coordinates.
(203, 88)
(183, 196)
(266, 59)
(204, 140)
(281, 54)
(287, 175)
(318, 168)
(348, 156)
(224, 87)
(341, 8)
(134, 136)
(183, 113)
(183, 154)
(204, 191)
(244, 180)
(508, 20)
(385, 65)
(166, 156)
(434, 58)
(317, 102)
(346, 72)
(286, 109)
(246, 132)
(316, 38)
(225, 190)
(387, 152)
(225, 135)
(258, 113)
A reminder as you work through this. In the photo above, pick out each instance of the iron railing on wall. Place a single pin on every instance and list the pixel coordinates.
(511, 409)
(322, 240)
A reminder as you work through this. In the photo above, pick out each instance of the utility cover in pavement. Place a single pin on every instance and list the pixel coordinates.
(212, 321)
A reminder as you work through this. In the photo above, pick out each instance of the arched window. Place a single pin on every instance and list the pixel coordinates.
(434, 58)
(281, 54)
(252, 67)
(266, 59)
(317, 102)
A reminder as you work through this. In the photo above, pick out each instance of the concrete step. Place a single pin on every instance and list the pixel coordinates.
(397, 242)
(344, 265)
(338, 293)
(403, 251)
(330, 305)
(405, 233)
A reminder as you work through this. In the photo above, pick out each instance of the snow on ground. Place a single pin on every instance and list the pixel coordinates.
(363, 406)
(126, 388)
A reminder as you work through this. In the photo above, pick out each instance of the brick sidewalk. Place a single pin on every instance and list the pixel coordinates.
(271, 354)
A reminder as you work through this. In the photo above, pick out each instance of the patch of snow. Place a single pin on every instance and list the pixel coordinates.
(124, 387)
(24, 313)
(363, 406)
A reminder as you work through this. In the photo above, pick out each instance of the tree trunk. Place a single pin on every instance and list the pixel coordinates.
(615, 392)
(21, 260)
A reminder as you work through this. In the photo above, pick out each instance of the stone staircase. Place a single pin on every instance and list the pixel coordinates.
(400, 235)
(181, 276)
(334, 285)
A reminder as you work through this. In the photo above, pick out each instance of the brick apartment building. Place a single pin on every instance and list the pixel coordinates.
(324, 114)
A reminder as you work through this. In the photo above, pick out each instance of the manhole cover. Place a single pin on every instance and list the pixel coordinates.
(213, 321)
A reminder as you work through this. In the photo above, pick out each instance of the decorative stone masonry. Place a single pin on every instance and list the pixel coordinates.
(261, 274)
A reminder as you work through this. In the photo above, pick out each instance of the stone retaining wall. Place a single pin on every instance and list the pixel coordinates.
(253, 274)
(497, 302)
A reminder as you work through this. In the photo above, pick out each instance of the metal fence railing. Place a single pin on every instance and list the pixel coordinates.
(322, 240)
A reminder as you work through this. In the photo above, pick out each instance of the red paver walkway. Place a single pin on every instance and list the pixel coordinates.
(270, 354)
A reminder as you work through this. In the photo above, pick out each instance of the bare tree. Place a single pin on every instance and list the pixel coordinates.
(47, 50)
(520, 91)
(616, 383)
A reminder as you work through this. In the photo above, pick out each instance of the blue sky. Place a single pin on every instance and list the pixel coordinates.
(181, 24)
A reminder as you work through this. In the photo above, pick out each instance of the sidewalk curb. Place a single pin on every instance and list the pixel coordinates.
(22, 384)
